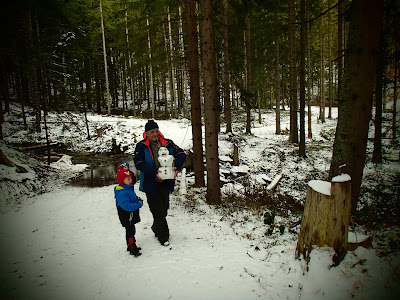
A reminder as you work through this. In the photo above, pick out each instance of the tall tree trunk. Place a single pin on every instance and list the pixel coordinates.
(377, 152)
(210, 102)
(32, 69)
(105, 60)
(40, 70)
(98, 90)
(194, 81)
(394, 111)
(164, 89)
(355, 103)
(4, 85)
(226, 77)
(330, 97)
(184, 77)
(16, 61)
(259, 106)
(309, 74)
(277, 82)
(1, 120)
(249, 98)
(340, 51)
(171, 68)
(150, 70)
(322, 77)
(130, 71)
(294, 137)
(303, 41)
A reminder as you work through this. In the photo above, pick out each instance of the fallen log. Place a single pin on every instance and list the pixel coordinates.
(274, 182)
(39, 146)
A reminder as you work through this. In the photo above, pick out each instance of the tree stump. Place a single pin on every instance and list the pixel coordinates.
(99, 132)
(326, 217)
(235, 155)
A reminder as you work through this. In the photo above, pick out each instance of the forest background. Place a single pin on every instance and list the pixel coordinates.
(208, 61)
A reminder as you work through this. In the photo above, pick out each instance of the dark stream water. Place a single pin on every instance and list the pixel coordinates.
(102, 169)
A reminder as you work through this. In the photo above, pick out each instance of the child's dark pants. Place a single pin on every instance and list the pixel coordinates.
(128, 220)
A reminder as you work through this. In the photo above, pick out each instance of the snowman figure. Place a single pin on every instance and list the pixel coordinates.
(166, 164)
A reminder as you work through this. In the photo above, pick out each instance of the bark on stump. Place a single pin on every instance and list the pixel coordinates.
(235, 155)
(326, 217)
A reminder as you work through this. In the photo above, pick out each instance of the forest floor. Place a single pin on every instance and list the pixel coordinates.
(233, 241)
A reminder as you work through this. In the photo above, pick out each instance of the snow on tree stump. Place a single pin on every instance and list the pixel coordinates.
(326, 217)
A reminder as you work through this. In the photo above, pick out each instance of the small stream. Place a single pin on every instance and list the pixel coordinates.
(102, 169)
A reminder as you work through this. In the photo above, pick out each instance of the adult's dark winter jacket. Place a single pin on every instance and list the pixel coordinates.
(144, 162)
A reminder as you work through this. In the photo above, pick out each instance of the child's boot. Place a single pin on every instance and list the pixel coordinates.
(132, 242)
(132, 248)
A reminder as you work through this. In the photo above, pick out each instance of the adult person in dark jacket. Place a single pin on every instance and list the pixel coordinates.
(157, 190)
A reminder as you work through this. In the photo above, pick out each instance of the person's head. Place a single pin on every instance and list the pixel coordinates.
(151, 129)
(125, 166)
(124, 177)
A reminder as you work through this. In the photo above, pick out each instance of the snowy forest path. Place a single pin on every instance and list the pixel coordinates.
(69, 242)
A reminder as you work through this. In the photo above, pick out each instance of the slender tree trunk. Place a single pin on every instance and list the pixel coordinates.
(194, 81)
(340, 51)
(259, 105)
(40, 71)
(394, 111)
(150, 71)
(302, 144)
(32, 70)
(171, 66)
(1, 120)
(355, 103)
(277, 82)
(98, 91)
(226, 77)
(18, 83)
(330, 98)
(164, 88)
(210, 102)
(4, 86)
(20, 96)
(249, 99)
(130, 71)
(309, 77)
(322, 78)
(377, 153)
(185, 101)
(294, 137)
(105, 60)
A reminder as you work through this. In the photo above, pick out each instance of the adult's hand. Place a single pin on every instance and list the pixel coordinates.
(158, 175)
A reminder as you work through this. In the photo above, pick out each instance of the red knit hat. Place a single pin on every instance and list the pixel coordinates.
(121, 175)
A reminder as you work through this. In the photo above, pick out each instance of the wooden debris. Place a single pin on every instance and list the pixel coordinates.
(274, 182)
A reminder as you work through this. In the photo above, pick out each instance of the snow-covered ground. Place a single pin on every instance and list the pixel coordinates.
(67, 243)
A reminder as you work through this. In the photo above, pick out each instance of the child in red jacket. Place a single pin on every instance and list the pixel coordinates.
(128, 205)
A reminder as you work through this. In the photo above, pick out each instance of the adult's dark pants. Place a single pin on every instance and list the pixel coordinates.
(159, 205)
